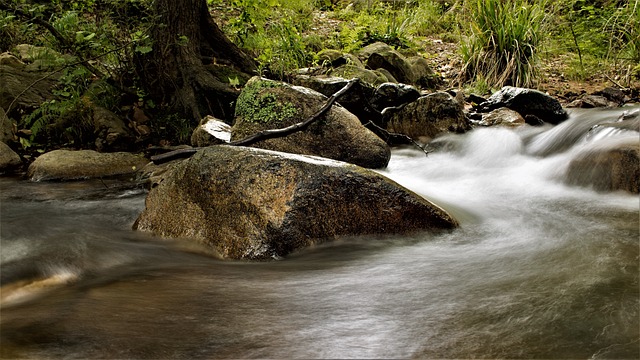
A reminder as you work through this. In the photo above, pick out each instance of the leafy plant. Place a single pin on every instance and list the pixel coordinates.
(503, 43)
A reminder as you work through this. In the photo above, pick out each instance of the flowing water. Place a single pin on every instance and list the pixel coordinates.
(538, 269)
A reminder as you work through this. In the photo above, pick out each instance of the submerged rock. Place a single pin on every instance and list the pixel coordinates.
(338, 134)
(255, 204)
(608, 168)
(531, 104)
(83, 164)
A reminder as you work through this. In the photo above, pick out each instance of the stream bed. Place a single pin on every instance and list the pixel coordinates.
(537, 269)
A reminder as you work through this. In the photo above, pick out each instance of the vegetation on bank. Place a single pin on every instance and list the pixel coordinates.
(101, 45)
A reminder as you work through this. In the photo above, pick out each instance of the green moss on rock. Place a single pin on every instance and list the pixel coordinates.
(258, 103)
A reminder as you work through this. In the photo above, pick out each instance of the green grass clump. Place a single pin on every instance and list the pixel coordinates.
(504, 42)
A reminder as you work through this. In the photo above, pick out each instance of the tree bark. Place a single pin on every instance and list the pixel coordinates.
(185, 34)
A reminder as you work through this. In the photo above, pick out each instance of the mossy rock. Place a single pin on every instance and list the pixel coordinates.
(349, 71)
(337, 134)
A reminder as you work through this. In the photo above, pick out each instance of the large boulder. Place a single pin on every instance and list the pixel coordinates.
(83, 164)
(429, 116)
(248, 203)
(9, 160)
(338, 134)
(608, 168)
(533, 105)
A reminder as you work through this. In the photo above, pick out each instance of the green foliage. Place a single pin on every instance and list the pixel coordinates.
(173, 128)
(271, 30)
(257, 104)
(65, 122)
(66, 118)
(380, 22)
(600, 36)
(504, 40)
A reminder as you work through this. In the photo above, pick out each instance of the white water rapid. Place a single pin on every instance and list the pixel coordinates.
(538, 269)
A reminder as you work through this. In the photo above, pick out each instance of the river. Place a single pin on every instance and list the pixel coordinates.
(538, 269)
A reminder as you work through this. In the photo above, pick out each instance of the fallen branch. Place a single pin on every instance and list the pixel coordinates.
(262, 135)
(394, 138)
(274, 133)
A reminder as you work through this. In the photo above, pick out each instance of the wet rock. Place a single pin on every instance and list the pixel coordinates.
(429, 116)
(591, 101)
(9, 160)
(617, 96)
(83, 164)
(255, 204)
(211, 131)
(338, 134)
(608, 168)
(393, 95)
(502, 117)
(526, 102)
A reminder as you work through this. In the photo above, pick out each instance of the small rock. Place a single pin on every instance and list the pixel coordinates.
(211, 131)
(502, 117)
(9, 160)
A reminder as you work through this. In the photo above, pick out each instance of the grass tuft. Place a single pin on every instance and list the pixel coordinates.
(504, 42)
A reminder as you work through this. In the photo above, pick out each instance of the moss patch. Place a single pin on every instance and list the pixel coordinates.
(259, 103)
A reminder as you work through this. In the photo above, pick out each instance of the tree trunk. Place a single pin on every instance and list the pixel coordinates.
(185, 35)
